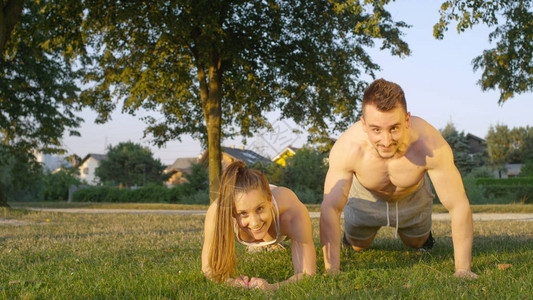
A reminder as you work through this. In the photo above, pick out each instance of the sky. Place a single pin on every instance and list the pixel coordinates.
(437, 78)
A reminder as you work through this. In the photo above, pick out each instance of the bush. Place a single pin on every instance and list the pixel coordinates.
(309, 196)
(481, 172)
(151, 193)
(56, 185)
(499, 191)
(505, 181)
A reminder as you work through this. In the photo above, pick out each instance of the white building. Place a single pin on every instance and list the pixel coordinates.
(51, 162)
(88, 166)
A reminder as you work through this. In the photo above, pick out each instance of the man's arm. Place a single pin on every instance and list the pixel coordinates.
(336, 188)
(450, 189)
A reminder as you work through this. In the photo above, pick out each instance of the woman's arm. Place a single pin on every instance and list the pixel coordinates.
(296, 224)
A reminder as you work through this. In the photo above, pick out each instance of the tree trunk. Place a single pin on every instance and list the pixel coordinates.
(214, 130)
(3, 201)
(10, 13)
(211, 94)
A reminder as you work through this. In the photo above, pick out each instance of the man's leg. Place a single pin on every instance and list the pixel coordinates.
(359, 245)
(414, 242)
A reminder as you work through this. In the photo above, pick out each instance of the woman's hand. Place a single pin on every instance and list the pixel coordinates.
(241, 281)
(259, 283)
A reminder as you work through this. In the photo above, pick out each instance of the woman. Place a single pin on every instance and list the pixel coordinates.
(256, 214)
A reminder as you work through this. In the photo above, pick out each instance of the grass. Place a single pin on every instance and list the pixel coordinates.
(53, 255)
(437, 208)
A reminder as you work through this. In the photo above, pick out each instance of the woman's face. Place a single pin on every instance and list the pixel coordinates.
(254, 214)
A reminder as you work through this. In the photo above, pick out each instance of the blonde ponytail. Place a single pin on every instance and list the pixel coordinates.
(237, 178)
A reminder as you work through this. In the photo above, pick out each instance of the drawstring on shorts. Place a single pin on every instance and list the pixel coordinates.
(388, 220)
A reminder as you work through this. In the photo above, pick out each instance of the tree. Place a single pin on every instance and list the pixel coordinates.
(509, 66)
(57, 185)
(460, 147)
(521, 144)
(229, 62)
(21, 177)
(130, 164)
(38, 91)
(527, 169)
(198, 178)
(306, 169)
(498, 146)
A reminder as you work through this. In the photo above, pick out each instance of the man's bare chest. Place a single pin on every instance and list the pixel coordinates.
(391, 178)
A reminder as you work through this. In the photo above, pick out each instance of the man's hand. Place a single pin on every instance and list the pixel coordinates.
(467, 274)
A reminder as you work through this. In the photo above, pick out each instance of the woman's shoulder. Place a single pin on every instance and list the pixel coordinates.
(287, 201)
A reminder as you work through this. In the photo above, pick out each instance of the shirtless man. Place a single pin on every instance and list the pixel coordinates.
(377, 169)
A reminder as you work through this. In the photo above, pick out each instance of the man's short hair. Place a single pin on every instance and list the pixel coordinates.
(385, 95)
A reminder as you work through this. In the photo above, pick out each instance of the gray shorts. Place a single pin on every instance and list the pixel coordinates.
(365, 213)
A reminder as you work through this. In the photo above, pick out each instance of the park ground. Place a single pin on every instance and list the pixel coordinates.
(58, 255)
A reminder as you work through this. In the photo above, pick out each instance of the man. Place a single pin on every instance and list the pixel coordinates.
(377, 174)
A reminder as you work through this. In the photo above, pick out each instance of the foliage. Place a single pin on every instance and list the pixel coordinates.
(38, 88)
(130, 164)
(505, 181)
(460, 147)
(150, 193)
(57, 185)
(509, 66)
(198, 179)
(498, 146)
(527, 169)
(304, 174)
(306, 169)
(20, 176)
(506, 145)
(481, 172)
(521, 143)
(495, 190)
(230, 62)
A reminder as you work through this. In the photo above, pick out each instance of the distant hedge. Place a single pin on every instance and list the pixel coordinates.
(149, 194)
(525, 181)
(507, 190)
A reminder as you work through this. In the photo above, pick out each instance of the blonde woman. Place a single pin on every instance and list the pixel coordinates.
(254, 213)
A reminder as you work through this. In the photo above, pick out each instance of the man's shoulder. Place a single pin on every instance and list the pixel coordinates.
(425, 132)
(349, 147)
(353, 136)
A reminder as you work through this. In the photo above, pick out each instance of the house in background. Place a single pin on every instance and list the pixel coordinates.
(88, 166)
(281, 158)
(51, 162)
(178, 169)
(231, 154)
(476, 145)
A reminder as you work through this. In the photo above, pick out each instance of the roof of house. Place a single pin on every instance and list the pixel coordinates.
(287, 149)
(471, 136)
(249, 157)
(98, 157)
(181, 163)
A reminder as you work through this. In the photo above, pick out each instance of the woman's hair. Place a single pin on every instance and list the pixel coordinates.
(237, 179)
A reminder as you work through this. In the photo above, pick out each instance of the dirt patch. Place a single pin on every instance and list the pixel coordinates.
(14, 222)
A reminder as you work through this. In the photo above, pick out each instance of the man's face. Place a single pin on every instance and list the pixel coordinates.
(387, 131)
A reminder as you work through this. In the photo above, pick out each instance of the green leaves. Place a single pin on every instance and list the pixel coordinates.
(508, 67)
(130, 164)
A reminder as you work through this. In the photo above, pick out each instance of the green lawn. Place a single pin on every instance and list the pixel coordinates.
(47, 255)
(487, 208)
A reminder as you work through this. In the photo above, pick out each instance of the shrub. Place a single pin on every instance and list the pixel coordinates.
(56, 185)
(151, 193)
(309, 196)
